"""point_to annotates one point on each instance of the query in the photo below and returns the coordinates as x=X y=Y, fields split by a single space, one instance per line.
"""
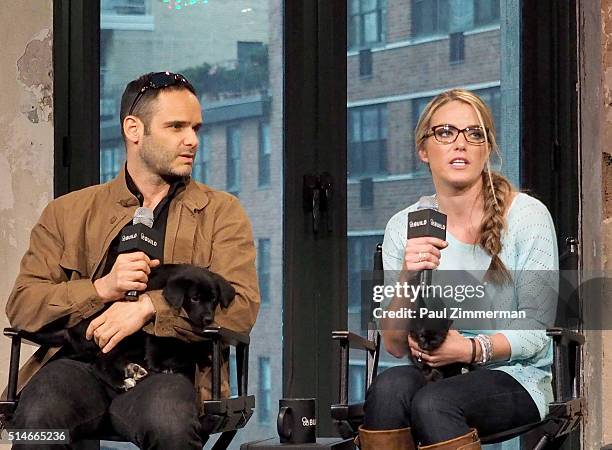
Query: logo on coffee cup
x=309 y=422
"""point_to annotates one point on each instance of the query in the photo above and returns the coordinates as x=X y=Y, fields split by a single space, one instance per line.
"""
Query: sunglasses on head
x=159 y=80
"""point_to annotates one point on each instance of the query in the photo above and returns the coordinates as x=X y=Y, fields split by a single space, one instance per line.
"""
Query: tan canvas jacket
x=205 y=227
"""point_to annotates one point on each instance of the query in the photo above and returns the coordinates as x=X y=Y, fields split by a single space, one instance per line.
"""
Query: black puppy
x=430 y=334
x=197 y=290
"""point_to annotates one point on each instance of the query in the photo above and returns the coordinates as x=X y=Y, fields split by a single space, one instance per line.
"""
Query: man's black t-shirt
x=160 y=216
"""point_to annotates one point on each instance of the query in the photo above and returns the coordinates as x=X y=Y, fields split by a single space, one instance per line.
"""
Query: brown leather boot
x=468 y=441
x=385 y=439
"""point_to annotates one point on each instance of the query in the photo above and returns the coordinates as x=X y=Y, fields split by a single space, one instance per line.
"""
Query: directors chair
x=220 y=415
x=565 y=412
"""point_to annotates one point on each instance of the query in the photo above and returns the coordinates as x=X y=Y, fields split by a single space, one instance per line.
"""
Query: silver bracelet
x=483 y=349
x=486 y=346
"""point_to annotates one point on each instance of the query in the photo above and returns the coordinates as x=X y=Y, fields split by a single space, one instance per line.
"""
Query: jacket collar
x=192 y=197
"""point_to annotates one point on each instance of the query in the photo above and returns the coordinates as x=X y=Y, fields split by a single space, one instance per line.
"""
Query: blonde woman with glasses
x=493 y=228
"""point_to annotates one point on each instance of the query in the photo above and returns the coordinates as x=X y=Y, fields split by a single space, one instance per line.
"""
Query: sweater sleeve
x=536 y=279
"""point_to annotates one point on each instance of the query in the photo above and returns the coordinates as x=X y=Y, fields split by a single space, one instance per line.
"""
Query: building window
x=486 y=12
x=233 y=370
x=124 y=7
x=492 y=97
x=233 y=159
x=457 y=48
x=430 y=17
x=366 y=23
x=201 y=165
x=360 y=259
x=367 y=141
x=263 y=269
x=356 y=382
x=263 y=178
x=264 y=399
x=435 y=17
x=112 y=159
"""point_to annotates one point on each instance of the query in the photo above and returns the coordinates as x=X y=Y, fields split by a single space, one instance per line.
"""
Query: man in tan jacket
x=72 y=271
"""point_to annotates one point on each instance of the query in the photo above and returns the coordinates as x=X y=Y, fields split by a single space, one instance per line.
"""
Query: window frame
x=359 y=149
x=233 y=157
x=264 y=410
x=315 y=120
x=379 y=11
x=264 y=155
x=202 y=161
x=481 y=22
x=263 y=269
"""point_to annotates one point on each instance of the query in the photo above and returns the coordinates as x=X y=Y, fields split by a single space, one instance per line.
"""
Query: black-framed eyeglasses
x=159 y=80
x=447 y=134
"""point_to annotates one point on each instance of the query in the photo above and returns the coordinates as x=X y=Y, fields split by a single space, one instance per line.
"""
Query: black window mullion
x=76 y=94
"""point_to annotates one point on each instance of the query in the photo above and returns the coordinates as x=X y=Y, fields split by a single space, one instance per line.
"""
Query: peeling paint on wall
x=26 y=134
x=7 y=200
x=34 y=70
x=606 y=10
x=607 y=177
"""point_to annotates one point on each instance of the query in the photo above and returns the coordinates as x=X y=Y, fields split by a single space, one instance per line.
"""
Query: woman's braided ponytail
x=497 y=192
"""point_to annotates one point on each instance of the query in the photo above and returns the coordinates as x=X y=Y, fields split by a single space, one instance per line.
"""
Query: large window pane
x=232 y=52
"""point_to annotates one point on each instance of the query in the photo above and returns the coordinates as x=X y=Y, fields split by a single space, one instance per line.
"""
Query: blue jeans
x=489 y=400
x=160 y=412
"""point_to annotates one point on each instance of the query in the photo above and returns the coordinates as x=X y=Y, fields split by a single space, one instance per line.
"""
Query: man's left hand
x=120 y=320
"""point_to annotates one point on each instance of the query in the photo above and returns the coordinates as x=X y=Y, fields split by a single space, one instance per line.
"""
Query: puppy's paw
x=128 y=384
x=135 y=371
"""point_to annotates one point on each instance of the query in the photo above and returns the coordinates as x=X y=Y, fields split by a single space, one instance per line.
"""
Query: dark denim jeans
x=160 y=412
x=489 y=400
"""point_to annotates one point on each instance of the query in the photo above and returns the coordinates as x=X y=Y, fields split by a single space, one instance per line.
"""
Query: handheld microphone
x=141 y=237
x=426 y=221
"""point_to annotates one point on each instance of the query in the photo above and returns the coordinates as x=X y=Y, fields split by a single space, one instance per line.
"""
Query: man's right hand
x=129 y=273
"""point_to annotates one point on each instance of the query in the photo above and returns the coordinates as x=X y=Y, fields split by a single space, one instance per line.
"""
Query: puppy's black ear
x=225 y=291
x=175 y=291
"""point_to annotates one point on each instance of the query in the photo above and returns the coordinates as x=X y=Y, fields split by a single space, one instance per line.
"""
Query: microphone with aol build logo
x=427 y=220
x=141 y=237
x=297 y=421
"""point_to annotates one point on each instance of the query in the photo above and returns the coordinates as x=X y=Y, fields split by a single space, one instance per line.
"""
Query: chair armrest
x=565 y=336
x=566 y=363
x=218 y=335
x=347 y=341
x=354 y=340
x=227 y=336
x=25 y=336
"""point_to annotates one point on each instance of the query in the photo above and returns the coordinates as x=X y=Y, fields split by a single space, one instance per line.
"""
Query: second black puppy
x=197 y=290
x=430 y=333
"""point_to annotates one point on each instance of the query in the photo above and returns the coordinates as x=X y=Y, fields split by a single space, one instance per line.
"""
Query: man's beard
x=159 y=161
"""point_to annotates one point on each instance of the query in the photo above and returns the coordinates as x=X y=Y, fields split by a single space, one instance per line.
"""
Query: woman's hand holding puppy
x=455 y=348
